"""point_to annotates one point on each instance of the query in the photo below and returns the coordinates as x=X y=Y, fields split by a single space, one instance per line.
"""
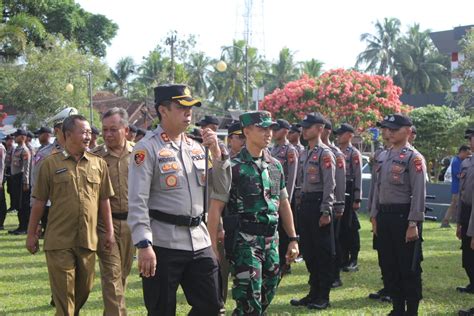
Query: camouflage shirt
x=258 y=185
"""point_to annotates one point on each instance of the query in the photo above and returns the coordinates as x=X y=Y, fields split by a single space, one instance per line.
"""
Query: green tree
x=37 y=88
x=420 y=67
x=198 y=71
x=379 y=56
x=464 y=75
x=282 y=71
x=436 y=143
x=120 y=76
x=312 y=68
x=92 y=32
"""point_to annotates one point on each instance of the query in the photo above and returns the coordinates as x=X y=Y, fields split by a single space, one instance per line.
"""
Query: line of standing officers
x=161 y=210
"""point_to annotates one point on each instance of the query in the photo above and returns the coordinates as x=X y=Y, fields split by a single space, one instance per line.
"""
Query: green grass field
x=24 y=286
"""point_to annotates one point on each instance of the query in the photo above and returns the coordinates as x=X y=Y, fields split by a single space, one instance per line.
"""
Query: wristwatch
x=412 y=224
x=143 y=244
x=325 y=213
x=296 y=238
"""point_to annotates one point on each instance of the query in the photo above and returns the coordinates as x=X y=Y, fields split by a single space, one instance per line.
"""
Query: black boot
x=412 y=307
x=398 y=307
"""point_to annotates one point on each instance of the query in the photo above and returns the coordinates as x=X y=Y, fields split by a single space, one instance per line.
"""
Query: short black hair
x=70 y=122
x=166 y=103
x=464 y=148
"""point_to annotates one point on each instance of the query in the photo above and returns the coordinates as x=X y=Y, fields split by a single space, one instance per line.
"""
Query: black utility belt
x=311 y=196
x=395 y=208
x=178 y=220
x=258 y=229
x=120 y=216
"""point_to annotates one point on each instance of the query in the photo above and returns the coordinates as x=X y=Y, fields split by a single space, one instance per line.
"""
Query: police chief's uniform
x=75 y=189
x=399 y=202
x=166 y=198
x=116 y=263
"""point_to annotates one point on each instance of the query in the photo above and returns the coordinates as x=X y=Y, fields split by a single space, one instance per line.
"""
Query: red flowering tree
x=344 y=96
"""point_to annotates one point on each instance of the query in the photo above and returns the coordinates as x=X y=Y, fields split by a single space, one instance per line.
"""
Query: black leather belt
x=395 y=208
x=258 y=229
x=178 y=220
x=120 y=216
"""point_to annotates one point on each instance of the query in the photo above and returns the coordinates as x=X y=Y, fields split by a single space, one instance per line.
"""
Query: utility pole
x=170 y=40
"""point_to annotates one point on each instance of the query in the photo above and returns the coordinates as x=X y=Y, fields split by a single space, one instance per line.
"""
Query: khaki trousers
x=115 y=265
x=71 y=276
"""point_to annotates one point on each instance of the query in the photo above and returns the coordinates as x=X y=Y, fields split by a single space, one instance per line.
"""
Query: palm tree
x=380 y=52
x=120 y=76
x=420 y=67
x=197 y=69
x=312 y=67
x=282 y=71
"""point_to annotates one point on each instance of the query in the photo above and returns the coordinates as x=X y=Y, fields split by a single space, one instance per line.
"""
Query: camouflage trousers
x=255 y=269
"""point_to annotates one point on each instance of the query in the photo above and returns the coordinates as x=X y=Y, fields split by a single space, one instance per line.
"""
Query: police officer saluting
x=257 y=199
x=398 y=208
x=317 y=169
x=166 y=199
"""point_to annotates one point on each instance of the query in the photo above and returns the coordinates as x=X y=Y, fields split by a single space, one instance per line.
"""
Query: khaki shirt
x=21 y=161
x=401 y=179
x=340 y=177
x=287 y=155
x=317 y=172
x=466 y=183
x=118 y=172
x=75 y=190
x=170 y=177
x=354 y=169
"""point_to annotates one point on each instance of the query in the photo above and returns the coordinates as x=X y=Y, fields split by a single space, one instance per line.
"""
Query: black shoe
x=386 y=299
x=2 y=228
x=319 y=304
x=302 y=302
x=13 y=231
x=394 y=313
x=336 y=283
x=466 y=312
x=377 y=295
x=20 y=232
x=465 y=289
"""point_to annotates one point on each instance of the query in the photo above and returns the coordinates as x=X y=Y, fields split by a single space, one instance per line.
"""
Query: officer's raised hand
x=209 y=139
x=324 y=220
x=146 y=262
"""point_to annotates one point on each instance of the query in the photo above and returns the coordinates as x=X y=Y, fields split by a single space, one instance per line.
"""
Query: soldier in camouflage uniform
x=257 y=199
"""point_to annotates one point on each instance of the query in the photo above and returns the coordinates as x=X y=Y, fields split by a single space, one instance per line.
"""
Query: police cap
x=312 y=119
x=296 y=128
x=344 y=128
x=20 y=132
x=208 y=119
x=234 y=129
x=179 y=93
x=43 y=129
x=282 y=124
x=396 y=121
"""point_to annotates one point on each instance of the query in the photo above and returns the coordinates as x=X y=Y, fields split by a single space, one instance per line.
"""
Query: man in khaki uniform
x=77 y=184
x=116 y=263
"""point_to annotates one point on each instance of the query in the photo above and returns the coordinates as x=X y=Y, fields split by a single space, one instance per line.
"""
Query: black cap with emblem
x=344 y=128
x=328 y=125
x=312 y=119
x=179 y=93
x=282 y=124
x=208 y=119
x=296 y=128
x=234 y=129
x=20 y=132
x=395 y=121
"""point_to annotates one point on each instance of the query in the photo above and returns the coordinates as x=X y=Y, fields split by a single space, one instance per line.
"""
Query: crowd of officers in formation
x=194 y=210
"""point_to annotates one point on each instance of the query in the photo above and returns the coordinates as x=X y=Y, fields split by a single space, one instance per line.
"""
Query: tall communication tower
x=250 y=23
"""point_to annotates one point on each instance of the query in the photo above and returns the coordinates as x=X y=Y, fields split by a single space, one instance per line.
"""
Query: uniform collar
x=65 y=155
x=128 y=149
x=245 y=155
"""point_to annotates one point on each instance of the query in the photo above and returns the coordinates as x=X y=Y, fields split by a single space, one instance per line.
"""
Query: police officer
x=257 y=199
x=349 y=234
x=132 y=133
x=209 y=121
x=166 y=199
x=398 y=208
x=141 y=132
x=412 y=135
x=317 y=169
x=20 y=180
x=294 y=136
x=77 y=184
x=381 y=294
x=287 y=155
x=94 y=136
x=10 y=147
x=466 y=185
x=116 y=263
x=44 y=136
x=3 y=203
x=339 y=195
x=235 y=138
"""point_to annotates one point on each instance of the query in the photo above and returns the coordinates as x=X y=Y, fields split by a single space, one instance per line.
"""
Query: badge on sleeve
x=327 y=161
x=340 y=162
x=356 y=160
x=139 y=157
x=291 y=157
x=418 y=161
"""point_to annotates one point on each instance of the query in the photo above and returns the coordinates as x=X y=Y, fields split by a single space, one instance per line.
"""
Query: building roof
x=447 y=42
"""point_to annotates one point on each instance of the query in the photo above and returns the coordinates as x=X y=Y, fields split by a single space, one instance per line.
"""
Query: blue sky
x=326 y=30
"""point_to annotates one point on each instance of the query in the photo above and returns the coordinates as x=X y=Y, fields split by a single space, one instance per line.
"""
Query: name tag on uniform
x=61 y=170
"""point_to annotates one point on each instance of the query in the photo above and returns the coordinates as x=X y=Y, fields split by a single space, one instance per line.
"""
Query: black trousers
x=467 y=252
x=3 y=205
x=316 y=249
x=15 y=188
x=198 y=274
x=375 y=246
x=397 y=256
x=339 y=253
x=349 y=232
